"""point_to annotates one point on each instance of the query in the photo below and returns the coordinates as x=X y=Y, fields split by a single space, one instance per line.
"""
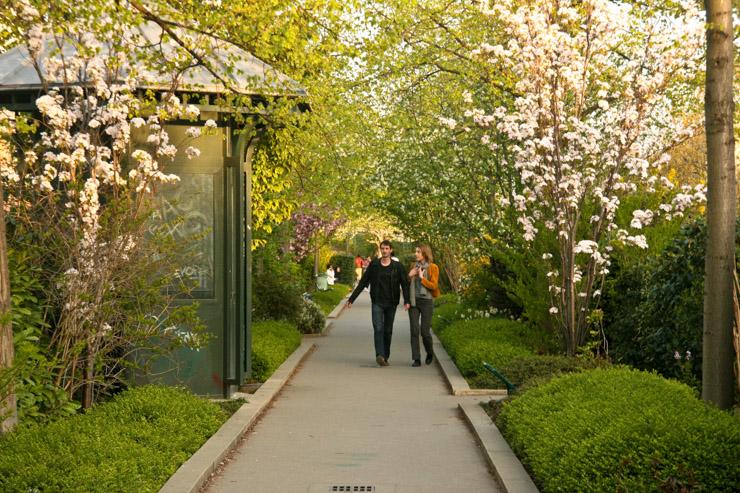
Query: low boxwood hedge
x=446 y=314
x=508 y=345
x=523 y=370
x=133 y=443
x=620 y=429
x=272 y=343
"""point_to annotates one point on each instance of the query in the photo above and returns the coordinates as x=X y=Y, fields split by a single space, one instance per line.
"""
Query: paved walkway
x=343 y=422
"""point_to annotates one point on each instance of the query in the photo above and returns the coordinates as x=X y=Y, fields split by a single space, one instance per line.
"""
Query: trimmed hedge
x=497 y=341
x=133 y=443
x=446 y=314
x=445 y=299
x=621 y=429
x=272 y=343
x=509 y=346
x=525 y=370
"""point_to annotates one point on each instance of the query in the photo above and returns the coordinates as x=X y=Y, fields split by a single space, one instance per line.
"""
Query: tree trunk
x=717 y=374
x=8 y=411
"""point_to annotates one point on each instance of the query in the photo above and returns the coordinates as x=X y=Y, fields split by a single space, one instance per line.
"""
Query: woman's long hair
x=426 y=252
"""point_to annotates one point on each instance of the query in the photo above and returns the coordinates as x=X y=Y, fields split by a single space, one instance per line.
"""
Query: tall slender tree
x=717 y=373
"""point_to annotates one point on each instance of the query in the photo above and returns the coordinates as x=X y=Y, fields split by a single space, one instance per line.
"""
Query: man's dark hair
x=386 y=242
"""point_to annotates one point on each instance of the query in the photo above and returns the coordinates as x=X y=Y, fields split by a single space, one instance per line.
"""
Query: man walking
x=387 y=279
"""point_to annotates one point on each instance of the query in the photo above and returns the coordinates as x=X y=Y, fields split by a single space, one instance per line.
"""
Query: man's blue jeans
x=383 y=328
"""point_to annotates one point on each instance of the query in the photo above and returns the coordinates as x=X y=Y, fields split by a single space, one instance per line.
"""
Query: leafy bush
x=38 y=399
x=329 y=299
x=347 y=265
x=133 y=443
x=654 y=308
x=275 y=298
x=487 y=288
x=272 y=343
x=278 y=282
x=621 y=429
x=311 y=319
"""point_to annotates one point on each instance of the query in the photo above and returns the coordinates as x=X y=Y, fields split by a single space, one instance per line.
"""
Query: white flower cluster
x=593 y=111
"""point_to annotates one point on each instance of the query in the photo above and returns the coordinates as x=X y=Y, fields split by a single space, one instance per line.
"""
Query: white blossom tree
x=600 y=91
x=81 y=187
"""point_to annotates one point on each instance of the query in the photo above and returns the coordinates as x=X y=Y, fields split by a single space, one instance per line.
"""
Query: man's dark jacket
x=399 y=281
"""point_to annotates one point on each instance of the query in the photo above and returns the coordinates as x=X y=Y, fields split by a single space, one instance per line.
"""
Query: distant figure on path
x=330 y=275
x=424 y=279
x=337 y=274
x=358 y=268
x=387 y=279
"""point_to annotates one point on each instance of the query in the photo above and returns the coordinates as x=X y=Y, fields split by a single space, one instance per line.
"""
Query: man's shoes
x=416 y=363
x=381 y=360
x=430 y=358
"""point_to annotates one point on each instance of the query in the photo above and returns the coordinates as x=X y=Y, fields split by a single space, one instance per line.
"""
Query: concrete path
x=345 y=424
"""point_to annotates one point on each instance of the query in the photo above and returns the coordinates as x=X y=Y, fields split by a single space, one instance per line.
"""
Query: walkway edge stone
x=504 y=463
x=194 y=472
x=457 y=383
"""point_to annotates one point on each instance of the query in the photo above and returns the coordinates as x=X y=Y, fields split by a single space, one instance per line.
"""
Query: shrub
x=275 y=298
x=445 y=299
x=487 y=288
x=496 y=341
x=133 y=443
x=523 y=370
x=445 y=314
x=621 y=429
x=278 y=282
x=654 y=309
x=272 y=343
x=311 y=319
x=509 y=346
x=39 y=400
x=347 y=265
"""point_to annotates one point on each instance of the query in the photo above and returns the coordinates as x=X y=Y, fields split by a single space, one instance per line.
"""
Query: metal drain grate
x=351 y=488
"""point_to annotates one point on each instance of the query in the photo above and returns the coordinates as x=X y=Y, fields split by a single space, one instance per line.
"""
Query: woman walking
x=424 y=278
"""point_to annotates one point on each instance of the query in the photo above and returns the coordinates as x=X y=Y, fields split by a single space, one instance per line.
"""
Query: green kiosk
x=212 y=202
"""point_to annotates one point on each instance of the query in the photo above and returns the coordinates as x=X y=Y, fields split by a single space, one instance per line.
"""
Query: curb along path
x=344 y=424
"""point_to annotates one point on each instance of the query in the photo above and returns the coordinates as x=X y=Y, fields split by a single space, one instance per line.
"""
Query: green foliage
x=487 y=288
x=510 y=346
x=38 y=399
x=445 y=314
x=133 y=443
x=272 y=343
x=311 y=319
x=446 y=299
x=620 y=429
x=496 y=341
x=278 y=282
x=231 y=406
x=329 y=299
x=653 y=308
x=525 y=370
x=347 y=265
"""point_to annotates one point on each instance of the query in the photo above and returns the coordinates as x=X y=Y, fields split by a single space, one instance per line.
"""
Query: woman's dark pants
x=421 y=321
